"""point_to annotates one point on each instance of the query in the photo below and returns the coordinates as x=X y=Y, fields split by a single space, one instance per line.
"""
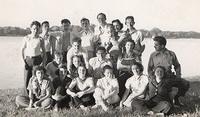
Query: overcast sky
x=174 y=15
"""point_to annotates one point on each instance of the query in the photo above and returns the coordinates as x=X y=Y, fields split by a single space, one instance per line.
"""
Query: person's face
x=62 y=72
x=76 y=46
x=45 y=27
x=117 y=26
x=158 y=46
x=85 y=24
x=58 y=59
x=76 y=61
x=101 y=54
x=109 y=31
x=65 y=26
x=108 y=73
x=101 y=19
x=159 y=73
x=81 y=72
x=35 y=29
x=39 y=75
x=129 y=23
x=129 y=46
x=136 y=70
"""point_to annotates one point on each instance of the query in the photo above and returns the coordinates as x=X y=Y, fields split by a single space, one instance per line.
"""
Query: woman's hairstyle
x=101 y=49
x=38 y=68
x=140 y=66
x=35 y=23
x=130 y=40
x=107 y=67
x=161 y=67
x=86 y=74
x=118 y=21
x=65 y=21
x=161 y=40
x=103 y=14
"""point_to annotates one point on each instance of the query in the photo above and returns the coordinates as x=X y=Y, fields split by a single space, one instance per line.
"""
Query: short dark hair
x=45 y=22
x=107 y=67
x=118 y=21
x=141 y=67
x=101 y=48
x=130 y=40
x=161 y=40
x=38 y=68
x=163 y=68
x=84 y=19
x=63 y=21
x=104 y=15
x=76 y=39
x=56 y=53
x=35 y=23
x=130 y=17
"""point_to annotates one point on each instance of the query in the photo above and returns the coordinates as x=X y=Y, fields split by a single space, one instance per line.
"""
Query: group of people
x=98 y=67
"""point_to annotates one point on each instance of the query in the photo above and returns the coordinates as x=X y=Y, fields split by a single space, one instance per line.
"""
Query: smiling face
x=85 y=24
x=129 y=23
x=76 y=61
x=58 y=59
x=35 y=29
x=129 y=46
x=159 y=73
x=108 y=73
x=81 y=72
x=101 y=19
x=136 y=70
x=116 y=26
x=101 y=54
x=62 y=72
x=39 y=75
x=76 y=46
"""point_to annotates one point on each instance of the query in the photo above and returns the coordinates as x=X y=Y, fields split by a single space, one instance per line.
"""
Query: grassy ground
x=8 y=107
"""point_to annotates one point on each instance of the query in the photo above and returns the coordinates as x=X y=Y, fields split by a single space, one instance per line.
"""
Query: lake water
x=11 y=70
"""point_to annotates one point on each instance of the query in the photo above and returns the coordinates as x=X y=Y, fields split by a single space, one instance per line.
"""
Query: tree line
x=17 y=31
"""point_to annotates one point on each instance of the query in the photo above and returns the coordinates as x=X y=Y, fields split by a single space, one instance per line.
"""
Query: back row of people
x=116 y=51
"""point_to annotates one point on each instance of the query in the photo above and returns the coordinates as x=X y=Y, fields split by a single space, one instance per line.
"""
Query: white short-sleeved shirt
x=83 y=85
x=108 y=85
x=136 y=84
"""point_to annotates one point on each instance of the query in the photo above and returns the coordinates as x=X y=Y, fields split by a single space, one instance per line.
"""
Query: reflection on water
x=11 y=72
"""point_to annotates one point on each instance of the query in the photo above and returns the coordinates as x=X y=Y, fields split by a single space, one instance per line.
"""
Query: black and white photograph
x=100 y=58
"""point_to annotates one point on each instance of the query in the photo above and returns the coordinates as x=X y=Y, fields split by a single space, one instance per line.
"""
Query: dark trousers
x=30 y=62
x=64 y=56
x=123 y=76
x=49 y=57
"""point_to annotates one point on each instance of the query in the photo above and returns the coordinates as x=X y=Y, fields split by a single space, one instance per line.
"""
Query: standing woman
x=33 y=52
x=49 y=41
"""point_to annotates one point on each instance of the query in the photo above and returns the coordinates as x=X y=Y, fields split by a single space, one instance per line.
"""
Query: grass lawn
x=9 y=109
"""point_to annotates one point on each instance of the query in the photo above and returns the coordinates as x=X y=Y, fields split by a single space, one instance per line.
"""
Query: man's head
x=129 y=21
x=101 y=17
x=85 y=23
x=65 y=24
x=76 y=43
x=58 y=57
x=35 y=27
x=109 y=30
x=101 y=53
x=159 y=43
x=45 y=26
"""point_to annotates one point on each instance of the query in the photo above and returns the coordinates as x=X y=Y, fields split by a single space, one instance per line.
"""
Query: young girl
x=107 y=89
x=81 y=90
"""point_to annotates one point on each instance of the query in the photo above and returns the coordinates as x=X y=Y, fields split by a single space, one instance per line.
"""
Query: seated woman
x=124 y=63
x=81 y=90
x=135 y=85
x=73 y=70
x=60 y=84
x=158 y=94
x=40 y=91
x=107 y=89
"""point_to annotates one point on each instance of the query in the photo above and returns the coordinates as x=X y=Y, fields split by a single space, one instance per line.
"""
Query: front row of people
x=142 y=94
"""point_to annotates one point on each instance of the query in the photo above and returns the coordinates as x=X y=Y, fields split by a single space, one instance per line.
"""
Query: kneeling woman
x=107 y=89
x=158 y=98
x=81 y=89
x=40 y=91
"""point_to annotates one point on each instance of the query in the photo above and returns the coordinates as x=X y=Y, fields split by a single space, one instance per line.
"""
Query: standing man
x=135 y=35
x=167 y=59
x=66 y=38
